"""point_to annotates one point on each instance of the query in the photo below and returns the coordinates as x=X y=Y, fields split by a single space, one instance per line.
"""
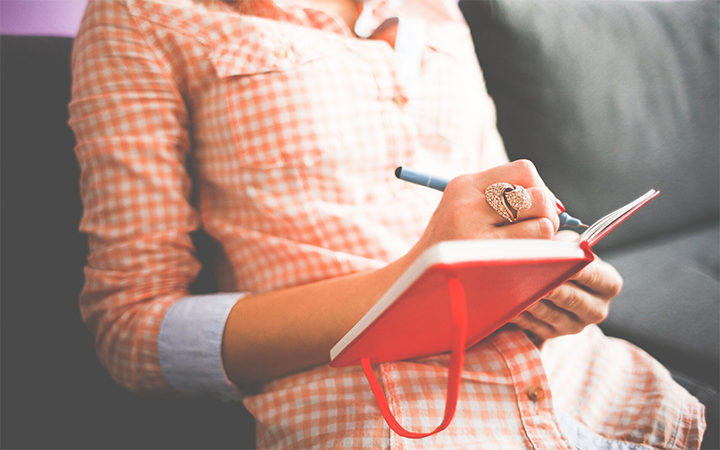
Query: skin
x=582 y=301
x=272 y=334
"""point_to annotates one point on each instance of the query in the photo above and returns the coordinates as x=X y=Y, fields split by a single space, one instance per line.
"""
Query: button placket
x=535 y=393
x=534 y=398
x=400 y=99
x=281 y=53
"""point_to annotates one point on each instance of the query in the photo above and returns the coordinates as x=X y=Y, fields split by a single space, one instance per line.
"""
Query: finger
x=526 y=229
x=526 y=321
x=561 y=323
x=599 y=278
x=542 y=206
x=588 y=308
x=521 y=172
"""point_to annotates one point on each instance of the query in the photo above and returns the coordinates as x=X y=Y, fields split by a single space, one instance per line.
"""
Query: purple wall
x=41 y=17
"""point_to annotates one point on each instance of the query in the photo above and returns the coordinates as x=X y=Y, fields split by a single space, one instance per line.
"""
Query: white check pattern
x=279 y=132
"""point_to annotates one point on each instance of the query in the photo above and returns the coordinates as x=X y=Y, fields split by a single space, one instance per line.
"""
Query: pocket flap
x=260 y=53
x=449 y=39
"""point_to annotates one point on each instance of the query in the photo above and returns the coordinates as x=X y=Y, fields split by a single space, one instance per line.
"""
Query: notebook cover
x=419 y=323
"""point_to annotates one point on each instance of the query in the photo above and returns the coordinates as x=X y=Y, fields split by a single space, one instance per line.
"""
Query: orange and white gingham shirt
x=278 y=133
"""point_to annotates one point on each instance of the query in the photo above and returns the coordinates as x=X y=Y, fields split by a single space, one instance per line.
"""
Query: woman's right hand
x=271 y=334
x=463 y=212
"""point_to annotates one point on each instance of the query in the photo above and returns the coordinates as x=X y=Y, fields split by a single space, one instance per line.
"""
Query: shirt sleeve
x=190 y=346
x=131 y=125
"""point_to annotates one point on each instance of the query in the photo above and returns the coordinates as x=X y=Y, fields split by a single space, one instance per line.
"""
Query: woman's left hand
x=581 y=301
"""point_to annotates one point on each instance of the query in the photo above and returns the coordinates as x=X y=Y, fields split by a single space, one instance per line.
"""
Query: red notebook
x=457 y=293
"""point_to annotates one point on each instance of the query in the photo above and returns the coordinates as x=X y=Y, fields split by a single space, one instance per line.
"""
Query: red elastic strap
x=457 y=356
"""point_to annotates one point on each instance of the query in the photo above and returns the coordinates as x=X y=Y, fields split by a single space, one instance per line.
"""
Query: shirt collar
x=284 y=10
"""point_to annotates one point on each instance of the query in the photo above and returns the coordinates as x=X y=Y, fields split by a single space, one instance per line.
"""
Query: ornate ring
x=508 y=200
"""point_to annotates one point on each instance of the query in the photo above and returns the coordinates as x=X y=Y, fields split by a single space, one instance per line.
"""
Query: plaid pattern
x=613 y=388
x=278 y=133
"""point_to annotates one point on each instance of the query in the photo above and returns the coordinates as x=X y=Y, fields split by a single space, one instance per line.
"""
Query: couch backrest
x=55 y=393
x=40 y=197
x=609 y=99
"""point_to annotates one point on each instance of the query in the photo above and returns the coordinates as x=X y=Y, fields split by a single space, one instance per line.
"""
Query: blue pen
x=439 y=183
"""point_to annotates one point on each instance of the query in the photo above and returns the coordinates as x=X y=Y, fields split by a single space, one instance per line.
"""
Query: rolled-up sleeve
x=190 y=346
x=131 y=124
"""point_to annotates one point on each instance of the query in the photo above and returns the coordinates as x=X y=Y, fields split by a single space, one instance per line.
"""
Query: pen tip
x=398 y=171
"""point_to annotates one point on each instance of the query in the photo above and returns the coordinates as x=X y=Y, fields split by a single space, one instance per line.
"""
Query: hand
x=581 y=301
x=463 y=212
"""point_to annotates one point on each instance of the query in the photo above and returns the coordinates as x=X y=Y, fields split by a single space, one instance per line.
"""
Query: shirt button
x=400 y=100
x=280 y=53
x=535 y=393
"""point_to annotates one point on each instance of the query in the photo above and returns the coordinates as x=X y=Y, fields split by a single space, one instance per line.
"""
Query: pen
x=439 y=183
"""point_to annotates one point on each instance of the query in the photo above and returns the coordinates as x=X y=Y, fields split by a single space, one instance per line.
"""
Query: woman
x=276 y=126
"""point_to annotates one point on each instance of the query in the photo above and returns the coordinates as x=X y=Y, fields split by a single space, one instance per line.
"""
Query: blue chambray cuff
x=189 y=346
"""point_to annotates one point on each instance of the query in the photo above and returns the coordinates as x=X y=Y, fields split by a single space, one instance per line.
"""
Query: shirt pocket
x=455 y=79
x=270 y=85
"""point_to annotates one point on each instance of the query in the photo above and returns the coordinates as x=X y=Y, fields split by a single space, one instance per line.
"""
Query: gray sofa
x=55 y=394
x=608 y=98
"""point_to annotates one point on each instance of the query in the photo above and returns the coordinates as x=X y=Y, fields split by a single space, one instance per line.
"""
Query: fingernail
x=559 y=205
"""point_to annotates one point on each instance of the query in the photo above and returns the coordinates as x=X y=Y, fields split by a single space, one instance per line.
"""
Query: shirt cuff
x=190 y=343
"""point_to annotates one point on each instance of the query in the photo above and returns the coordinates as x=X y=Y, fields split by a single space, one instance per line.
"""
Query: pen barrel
x=439 y=183
x=423 y=179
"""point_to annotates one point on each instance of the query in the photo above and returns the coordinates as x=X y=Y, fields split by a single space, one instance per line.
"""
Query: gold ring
x=508 y=200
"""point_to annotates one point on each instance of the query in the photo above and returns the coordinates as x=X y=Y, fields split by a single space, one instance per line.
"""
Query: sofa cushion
x=669 y=306
x=54 y=380
x=654 y=309
x=609 y=99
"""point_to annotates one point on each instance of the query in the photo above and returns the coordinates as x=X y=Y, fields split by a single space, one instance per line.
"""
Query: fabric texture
x=665 y=270
x=273 y=183
x=609 y=99
x=190 y=344
x=279 y=133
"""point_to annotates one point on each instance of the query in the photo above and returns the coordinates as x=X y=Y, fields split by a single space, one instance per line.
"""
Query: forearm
x=275 y=333
x=272 y=334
